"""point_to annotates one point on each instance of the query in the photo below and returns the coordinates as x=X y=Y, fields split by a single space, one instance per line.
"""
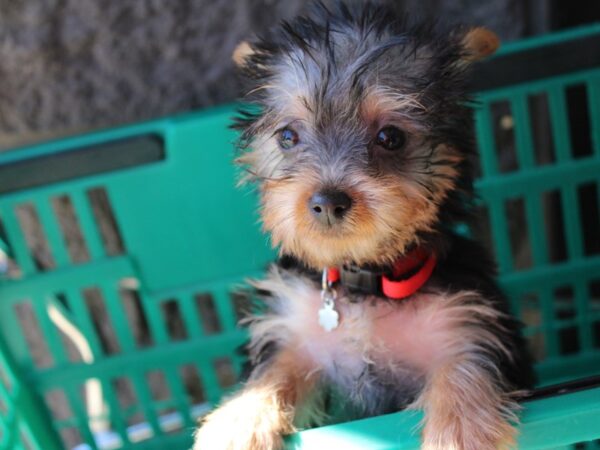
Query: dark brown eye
x=287 y=138
x=391 y=138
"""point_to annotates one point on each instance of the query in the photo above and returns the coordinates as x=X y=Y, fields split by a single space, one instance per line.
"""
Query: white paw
x=216 y=435
x=241 y=424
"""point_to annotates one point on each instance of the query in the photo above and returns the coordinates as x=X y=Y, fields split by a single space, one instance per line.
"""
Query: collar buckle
x=361 y=280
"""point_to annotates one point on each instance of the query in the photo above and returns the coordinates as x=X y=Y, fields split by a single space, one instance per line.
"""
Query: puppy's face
x=362 y=141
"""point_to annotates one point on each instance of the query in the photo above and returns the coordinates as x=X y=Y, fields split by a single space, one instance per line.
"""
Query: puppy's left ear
x=479 y=43
x=241 y=54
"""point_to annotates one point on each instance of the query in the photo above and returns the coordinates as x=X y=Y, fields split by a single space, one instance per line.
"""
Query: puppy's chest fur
x=380 y=353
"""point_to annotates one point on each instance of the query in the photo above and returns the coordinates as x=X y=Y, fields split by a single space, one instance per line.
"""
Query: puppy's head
x=362 y=138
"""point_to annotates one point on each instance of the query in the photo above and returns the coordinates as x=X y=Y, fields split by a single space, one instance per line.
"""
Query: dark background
x=68 y=66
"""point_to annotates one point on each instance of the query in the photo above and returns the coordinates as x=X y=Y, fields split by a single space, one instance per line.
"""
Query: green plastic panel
x=554 y=298
x=187 y=234
x=187 y=239
x=548 y=423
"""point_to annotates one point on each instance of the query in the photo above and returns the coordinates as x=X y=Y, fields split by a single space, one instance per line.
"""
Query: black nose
x=330 y=207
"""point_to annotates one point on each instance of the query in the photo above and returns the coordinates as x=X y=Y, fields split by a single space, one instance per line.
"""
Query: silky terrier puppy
x=360 y=142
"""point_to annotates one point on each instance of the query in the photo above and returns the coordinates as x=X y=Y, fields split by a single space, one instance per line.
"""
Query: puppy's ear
x=241 y=54
x=479 y=43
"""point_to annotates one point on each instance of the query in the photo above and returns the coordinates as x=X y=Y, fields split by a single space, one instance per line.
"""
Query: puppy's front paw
x=460 y=433
x=221 y=434
x=247 y=422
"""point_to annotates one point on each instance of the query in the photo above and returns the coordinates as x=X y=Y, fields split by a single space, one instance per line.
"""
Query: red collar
x=397 y=285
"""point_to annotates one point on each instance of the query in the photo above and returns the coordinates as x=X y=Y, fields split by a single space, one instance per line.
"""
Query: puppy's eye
x=391 y=138
x=287 y=138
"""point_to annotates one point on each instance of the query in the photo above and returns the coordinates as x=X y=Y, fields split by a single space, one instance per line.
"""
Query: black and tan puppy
x=362 y=149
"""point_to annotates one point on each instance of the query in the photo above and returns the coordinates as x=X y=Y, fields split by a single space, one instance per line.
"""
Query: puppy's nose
x=329 y=207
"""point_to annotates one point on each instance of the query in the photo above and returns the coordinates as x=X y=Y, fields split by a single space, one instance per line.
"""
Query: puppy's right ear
x=241 y=54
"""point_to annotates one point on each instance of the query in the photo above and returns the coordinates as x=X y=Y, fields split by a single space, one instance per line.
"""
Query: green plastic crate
x=190 y=238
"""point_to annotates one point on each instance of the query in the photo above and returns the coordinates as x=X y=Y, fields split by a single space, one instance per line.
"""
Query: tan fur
x=480 y=43
x=241 y=52
x=465 y=410
x=263 y=412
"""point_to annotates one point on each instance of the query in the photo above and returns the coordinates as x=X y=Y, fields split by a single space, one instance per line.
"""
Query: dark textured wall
x=72 y=65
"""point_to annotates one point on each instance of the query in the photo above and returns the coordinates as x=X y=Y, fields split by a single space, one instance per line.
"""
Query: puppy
x=362 y=150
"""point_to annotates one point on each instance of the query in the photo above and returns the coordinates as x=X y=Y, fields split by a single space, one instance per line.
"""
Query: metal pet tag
x=329 y=318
